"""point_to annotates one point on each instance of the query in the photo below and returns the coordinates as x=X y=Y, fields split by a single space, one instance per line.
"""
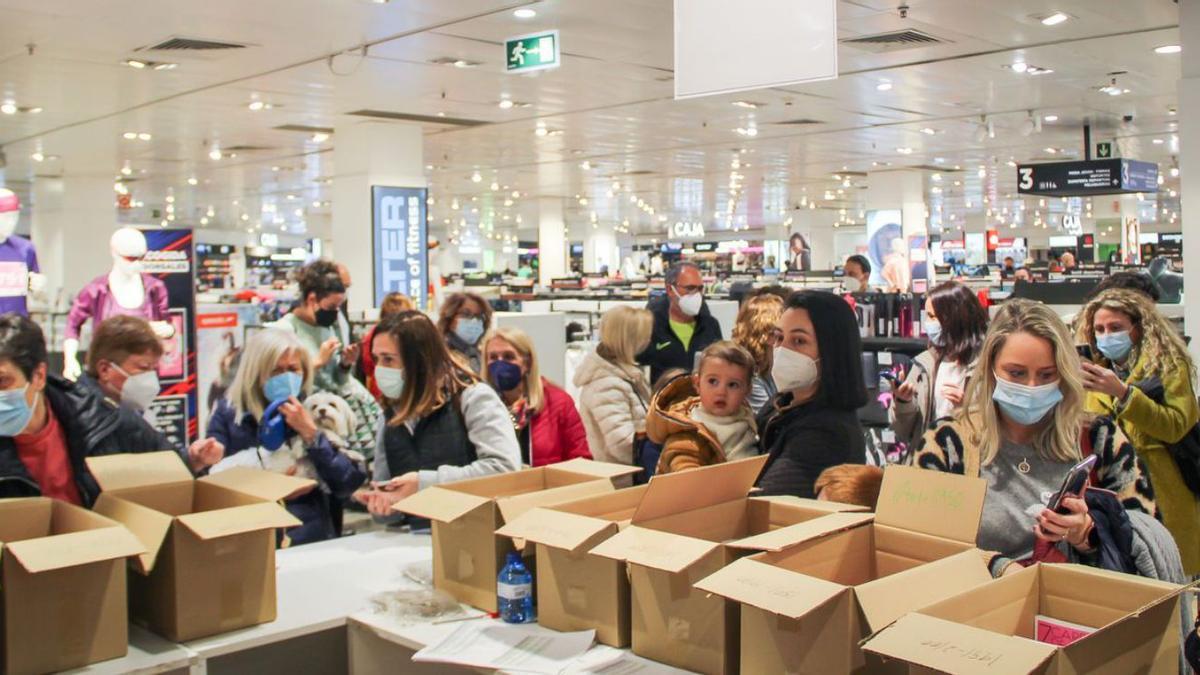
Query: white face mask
x=793 y=370
x=851 y=284
x=690 y=304
x=139 y=390
x=126 y=267
x=390 y=381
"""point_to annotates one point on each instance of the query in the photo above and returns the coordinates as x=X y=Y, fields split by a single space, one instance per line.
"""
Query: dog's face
x=331 y=413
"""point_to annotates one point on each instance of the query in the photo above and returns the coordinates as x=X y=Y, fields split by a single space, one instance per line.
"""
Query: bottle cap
x=513 y=557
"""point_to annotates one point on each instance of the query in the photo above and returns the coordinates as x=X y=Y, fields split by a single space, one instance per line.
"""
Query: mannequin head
x=10 y=212
x=128 y=247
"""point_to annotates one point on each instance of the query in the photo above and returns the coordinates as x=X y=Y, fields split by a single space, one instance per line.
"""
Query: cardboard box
x=991 y=628
x=62 y=586
x=575 y=589
x=467 y=553
x=210 y=561
x=689 y=525
x=805 y=609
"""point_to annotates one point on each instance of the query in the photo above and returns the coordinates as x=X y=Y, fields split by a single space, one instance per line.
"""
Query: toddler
x=703 y=418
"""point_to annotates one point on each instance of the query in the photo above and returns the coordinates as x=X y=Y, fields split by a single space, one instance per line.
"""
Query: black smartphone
x=1085 y=352
x=890 y=377
x=1072 y=485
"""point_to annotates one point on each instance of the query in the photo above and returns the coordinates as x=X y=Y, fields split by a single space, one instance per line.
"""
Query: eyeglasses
x=688 y=290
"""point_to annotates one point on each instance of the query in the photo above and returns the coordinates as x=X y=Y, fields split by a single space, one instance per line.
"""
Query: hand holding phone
x=1085 y=352
x=1072 y=485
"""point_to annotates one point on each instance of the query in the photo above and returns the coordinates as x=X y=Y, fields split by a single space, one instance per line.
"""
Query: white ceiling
x=611 y=100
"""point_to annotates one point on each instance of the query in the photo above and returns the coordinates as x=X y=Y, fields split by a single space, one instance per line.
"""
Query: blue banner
x=401 y=235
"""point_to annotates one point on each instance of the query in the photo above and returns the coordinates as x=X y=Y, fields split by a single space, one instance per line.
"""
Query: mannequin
x=124 y=290
x=19 y=272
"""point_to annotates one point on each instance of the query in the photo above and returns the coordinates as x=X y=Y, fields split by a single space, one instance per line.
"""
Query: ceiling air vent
x=894 y=41
x=407 y=117
x=799 y=122
x=935 y=168
x=175 y=44
x=638 y=172
x=247 y=148
x=305 y=128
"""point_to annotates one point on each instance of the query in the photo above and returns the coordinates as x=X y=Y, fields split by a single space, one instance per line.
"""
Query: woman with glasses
x=464 y=320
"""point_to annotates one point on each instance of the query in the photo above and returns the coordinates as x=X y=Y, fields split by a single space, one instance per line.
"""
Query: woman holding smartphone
x=1142 y=378
x=1023 y=427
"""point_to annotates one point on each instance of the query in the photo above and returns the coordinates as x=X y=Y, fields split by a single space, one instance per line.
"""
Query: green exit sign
x=1104 y=150
x=537 y=51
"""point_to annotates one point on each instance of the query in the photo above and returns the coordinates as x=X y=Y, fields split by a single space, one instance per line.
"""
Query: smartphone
x=1085 y=352
x=1072 y=485
x=890 y=377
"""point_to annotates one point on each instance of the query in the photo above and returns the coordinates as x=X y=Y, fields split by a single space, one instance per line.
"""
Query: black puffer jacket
x=802 y=441
x=92 y=426
x=666 y=350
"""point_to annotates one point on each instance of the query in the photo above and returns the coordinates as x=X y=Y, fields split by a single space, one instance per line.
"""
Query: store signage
x=169 y=257
x=269 y=239
x=723 y=47
x=684 y=230
x=705 y=247
x=401 y=230
x=537 y=51
x=1071 y=224
x=1087 y=178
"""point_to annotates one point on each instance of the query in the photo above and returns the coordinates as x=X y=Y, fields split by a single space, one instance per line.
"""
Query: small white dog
x=334 y=417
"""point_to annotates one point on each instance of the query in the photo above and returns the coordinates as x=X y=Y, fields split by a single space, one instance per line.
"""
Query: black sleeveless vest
x=438 y=439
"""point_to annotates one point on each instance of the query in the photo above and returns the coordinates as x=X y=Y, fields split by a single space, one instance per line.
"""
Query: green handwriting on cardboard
x=917 y=493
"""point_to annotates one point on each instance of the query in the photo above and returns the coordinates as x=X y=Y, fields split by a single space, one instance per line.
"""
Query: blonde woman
x=757 y=329
x=1142 y=378
x=1022 y=427
x=614 y=395
x=276 y=366
x=547 y=424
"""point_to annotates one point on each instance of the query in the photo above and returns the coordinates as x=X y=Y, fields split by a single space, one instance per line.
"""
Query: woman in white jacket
x=614 y=395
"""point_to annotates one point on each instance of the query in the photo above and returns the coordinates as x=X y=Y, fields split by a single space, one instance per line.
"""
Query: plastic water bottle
x=514 y=589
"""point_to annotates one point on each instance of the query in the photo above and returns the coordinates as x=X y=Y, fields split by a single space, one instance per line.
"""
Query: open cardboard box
x=209 y=565
x=689 y=525
x=467 y=553
x=62 y=586
x=805 y=609
x=990 y=629
x=577 y=590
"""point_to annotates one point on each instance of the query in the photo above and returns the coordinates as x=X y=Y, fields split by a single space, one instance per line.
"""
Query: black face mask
x=325 y=317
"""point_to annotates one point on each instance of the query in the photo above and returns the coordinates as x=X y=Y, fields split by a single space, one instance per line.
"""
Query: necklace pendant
x=1023 y=467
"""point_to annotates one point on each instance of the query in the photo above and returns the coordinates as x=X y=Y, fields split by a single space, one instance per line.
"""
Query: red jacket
x=556 y=432
x=366 y=364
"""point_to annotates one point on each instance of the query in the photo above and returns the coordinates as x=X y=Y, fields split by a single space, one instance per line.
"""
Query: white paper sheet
x=603 y=660
x=512 y=648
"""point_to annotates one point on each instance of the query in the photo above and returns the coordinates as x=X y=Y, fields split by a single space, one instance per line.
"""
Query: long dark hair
x=432 y=377
x=840 y=346
x=964 y=322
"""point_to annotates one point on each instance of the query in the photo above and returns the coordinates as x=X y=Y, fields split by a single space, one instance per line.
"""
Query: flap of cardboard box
x=949 y=647
x=885 y=600
x=440 y=504
x=774 y=589
x=149 y=526
x=931 y=502
x=512 y=507
x=777 y=540
x=118 y=472
x=238 y=520
x=591 y=467
x=75 y=548
x=673 y=493
x=651 y=548
x=814 y=504
x=268 y=485
x=567 y=531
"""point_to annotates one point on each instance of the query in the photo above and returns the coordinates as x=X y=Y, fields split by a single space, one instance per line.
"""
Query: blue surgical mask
x=15 y=411
x=390 y=381
x=505 y=376
x=1024 y=404
x=933 y=329
x=469 y=330
x=1115 y=346
x=283 y=385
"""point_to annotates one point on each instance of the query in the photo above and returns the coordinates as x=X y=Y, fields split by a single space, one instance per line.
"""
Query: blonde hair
x=624 y=333
x=1058 y=440
x=730 y=352
x=1160 y=342
x=535 y=395
x=756 y=321
x=260 y=356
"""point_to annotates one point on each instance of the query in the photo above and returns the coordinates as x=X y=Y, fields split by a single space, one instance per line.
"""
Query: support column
x=552 y=240
x=897 y=190
x=367 y=154
x=1189 y=164
x=600 y=248
x=74 y=215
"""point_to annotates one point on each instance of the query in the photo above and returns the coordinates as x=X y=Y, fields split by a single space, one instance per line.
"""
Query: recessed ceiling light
x=1055 y=18
x=143 y=136
x=1168 y=49
x=32 y=111
x=748 y=104
x=8 y=108
x=1052 y=151
x=1019 y=67
x=38 y=157
x=929 y=131
x=256 y=105
x=884 y=86
x=192 y=181
x=134 y=63
x=1050 y=118
x=1157 y=141
x=506 y=103
x=475 y=177
x=320 y=137
x=464 y=63
x=904 y=151
x=129 y=135
x=166 y=66
x=525 y=13
x=214 y=154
